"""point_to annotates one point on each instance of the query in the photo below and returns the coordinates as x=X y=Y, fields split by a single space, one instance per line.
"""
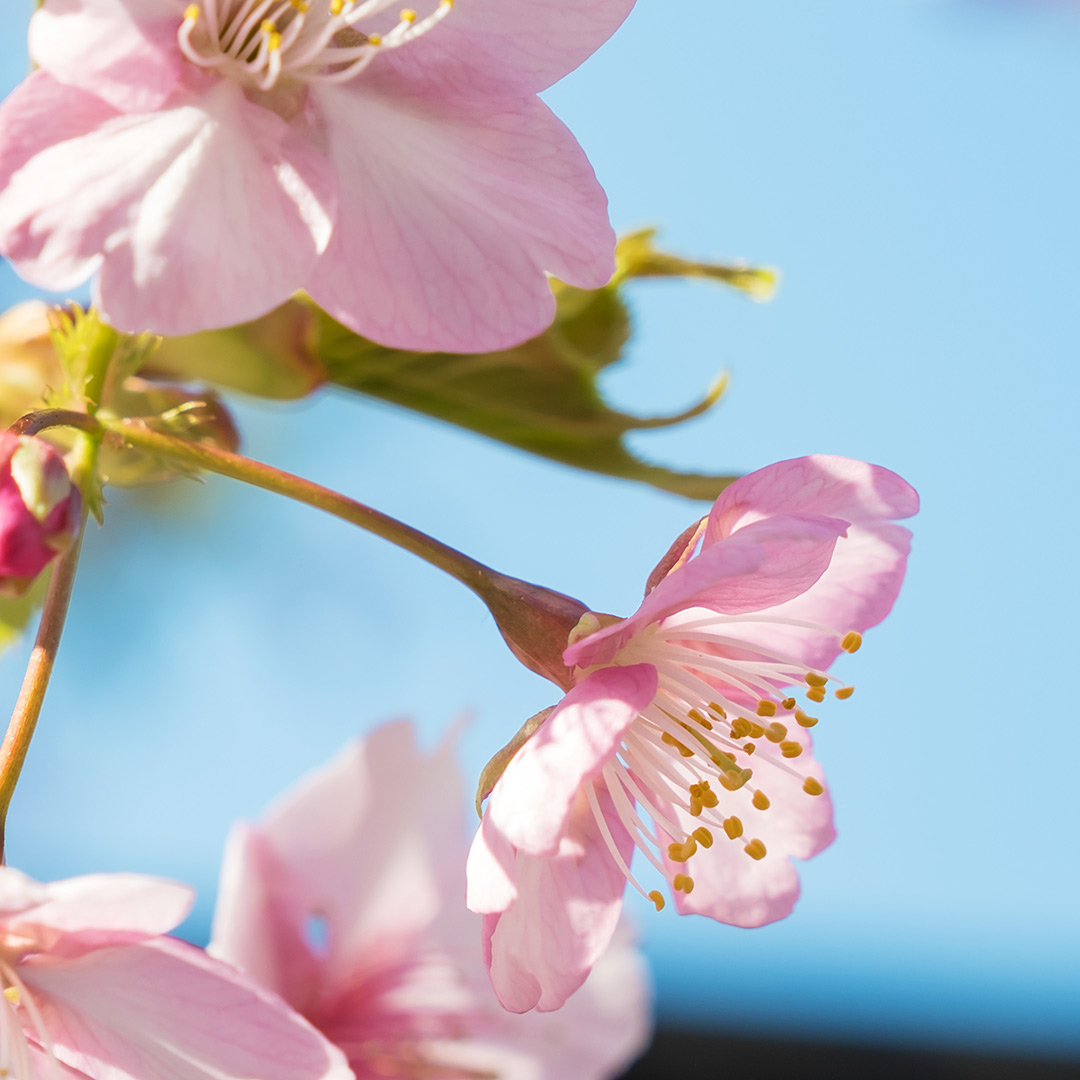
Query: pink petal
x=450 y=214
x=491 y=47
x=763 y=564
x=532 y=800
x=123 y=51
x=19 y=892
x=125 y=902
x=541 y=950
x=47 y=1068
x=209 y=212
x=381 y=799
x=820 y=484
x=490 y=871
x=163 y=1010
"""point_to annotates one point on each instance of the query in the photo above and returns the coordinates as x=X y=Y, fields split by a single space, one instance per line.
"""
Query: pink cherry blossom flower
x=39 y=509
x=92 y=988
x=208 y=159
x=680 y=737
x=347 y=903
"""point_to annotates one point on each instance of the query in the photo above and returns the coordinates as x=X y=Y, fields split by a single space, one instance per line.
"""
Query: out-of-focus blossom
x=680 y=736
x=208 y=159
x=91 y=987
x=346 y=901
x=40 y=509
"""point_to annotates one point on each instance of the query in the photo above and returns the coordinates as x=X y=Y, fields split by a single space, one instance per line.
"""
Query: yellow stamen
x=756 y=731
x=682 y=852
x=732 y=781
x=788 y=703
x=12 y=994
x=790 y=749
x=374 y=39
x=812 y=786
x=776 y=732
x=740 y=728
x=337 y=7
x=681 y=883
x=703 y=837
x=816 y=693
x=301 y=5
x=813 y=679
x=766 y=708
x=657 y=899
x=845 y=692
x=718 y=710
x=852 y=641
x=803 y=720
x=761 y=801
x=409 y=16
x=191 y=13
x=704 y=721
x=755 y=849
x=685 y=751
x=733 y=827
x=749 y=748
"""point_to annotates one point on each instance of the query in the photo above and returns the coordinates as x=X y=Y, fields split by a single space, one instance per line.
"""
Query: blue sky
x=910 y=165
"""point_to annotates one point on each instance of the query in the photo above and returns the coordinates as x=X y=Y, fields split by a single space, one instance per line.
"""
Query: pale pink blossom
x=93 y=988
x=208 y=159
x=680 y=736
x=348 y=902
x=40 y=509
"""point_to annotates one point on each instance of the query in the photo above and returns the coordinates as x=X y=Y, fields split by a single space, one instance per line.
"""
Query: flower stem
x=534 y=621
x=36 y=681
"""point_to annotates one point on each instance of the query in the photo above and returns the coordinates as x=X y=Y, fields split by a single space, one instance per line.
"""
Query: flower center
x=719 y=705
x=259 y=42
x=18 y=1011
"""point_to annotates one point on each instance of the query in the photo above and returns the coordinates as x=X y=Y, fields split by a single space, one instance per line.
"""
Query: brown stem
x=36 y=681
x=36 y=422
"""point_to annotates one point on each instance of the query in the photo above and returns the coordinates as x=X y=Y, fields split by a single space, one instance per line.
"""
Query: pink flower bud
x=40 y=509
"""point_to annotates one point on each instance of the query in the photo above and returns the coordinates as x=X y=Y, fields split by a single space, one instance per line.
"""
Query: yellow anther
x=755 y=849
x=852 y=641
x=708 y=796
x=273 y=42
x=718 y=709
x=682 y=852
x=733 y=827
x=696 y=806
x=685 y=751
x=761 y=801
x=788 y=703
x=681 y=882
x=703 y=837
x=816 y=693
x=704 y=721
x=740 y=728
x=409 y=16
x=812 y=786
x=337 y=7
x=191 y=13
x=756 y=731
x=749 y=748
x=803 y=720
x=374 y=39
x=12 y=994
x=732 y=781
x=657 y=899
x=814 y=679
x=766 y=708
x=790 y=749
x=301 y=5
x=845 y=692
x=447 y=3
x=776 y=732
x=267 y=26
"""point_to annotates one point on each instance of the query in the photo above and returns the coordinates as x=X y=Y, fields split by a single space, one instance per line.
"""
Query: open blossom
x=92 y=988
x=346 y=901
x=39 y=509
x=207 y=159
x=683 y=736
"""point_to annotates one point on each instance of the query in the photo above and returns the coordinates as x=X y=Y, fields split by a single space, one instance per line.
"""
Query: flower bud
x=40 y=510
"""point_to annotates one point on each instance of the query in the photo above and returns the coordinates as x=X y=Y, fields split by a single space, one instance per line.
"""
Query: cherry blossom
x=93 y=988
x=686 y=733
x=39 y=509
x=346 y=901
x=206 y=160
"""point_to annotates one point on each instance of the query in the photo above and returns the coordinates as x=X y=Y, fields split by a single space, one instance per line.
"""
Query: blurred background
x=911 y=167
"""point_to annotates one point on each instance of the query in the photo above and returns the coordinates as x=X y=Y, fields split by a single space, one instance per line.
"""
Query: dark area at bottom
x=693 y=1055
